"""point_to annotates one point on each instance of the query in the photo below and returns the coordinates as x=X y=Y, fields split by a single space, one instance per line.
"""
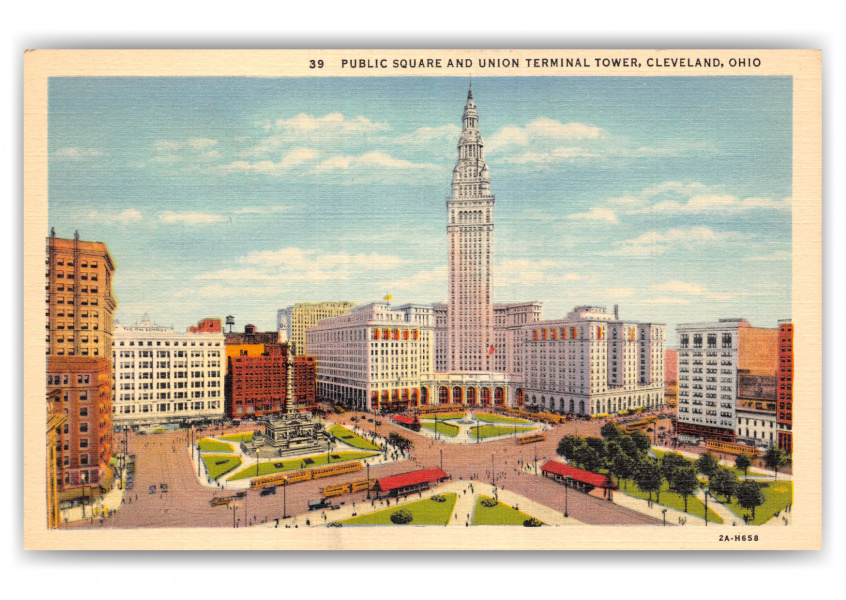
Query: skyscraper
x=470 y=238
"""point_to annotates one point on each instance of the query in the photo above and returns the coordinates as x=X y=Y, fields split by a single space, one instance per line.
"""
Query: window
x=684 y=340
x=83 y=428
x=726 y=340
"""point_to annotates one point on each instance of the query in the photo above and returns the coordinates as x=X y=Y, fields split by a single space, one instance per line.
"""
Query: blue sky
x=668 y=196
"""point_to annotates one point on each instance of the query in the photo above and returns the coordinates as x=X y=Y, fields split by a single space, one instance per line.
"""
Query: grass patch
x=237 y=437
x=270 y=466
x=444 y=428
x=445 y=416
x=209 y=445
x=220 y=464
x=501 y=514
x=352 y=439
x=777 y=495
x=423 y=512
x=486 y=431
x=671 y=499
x=488 y=418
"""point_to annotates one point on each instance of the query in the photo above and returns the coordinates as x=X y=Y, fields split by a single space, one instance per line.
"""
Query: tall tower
x=470 y=233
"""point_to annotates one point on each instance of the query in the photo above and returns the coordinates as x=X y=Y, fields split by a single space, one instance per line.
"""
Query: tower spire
x=470 y=89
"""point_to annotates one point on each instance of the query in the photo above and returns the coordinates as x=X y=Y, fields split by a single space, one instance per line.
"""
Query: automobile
x=130 y=485
x=319 y=504
x=241 y=495
x=220 y=501
x=378 y=422
x=268 y=491
x=369 y=420
x=163 y=487
x=152 y=489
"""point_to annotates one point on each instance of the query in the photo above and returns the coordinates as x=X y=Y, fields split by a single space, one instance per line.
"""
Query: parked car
x=163 y=487
x=152 y=489
x=268 y=491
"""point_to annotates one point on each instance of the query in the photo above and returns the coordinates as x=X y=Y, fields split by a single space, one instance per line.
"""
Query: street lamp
x=566 y=499
x=442 y=459
x=664 y=512
x=284 y=499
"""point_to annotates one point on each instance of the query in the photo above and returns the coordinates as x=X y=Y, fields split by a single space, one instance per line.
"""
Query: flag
x=491 y=350
x=388 y=297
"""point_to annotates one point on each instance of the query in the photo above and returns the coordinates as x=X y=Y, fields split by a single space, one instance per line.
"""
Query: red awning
x=403 y=420
x=594 y=479
x=386 y=484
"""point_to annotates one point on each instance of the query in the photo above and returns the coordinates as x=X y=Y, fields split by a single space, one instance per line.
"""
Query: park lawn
x=270 y=466
x=210 y=445
x=444 y=416
x=352 y=439
x=777 y=495
x=227 y=463
x=444 y=428
x=501 y=514
x=671 y=499
x=488 y=418
x=486 y=431
x=424 y=512
x=237 y=437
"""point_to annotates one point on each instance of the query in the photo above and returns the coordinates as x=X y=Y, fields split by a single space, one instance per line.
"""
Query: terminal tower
x=470 y=236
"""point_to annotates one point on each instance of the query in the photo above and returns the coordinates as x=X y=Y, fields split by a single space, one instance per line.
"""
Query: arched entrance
x=385 y=400
x=581 y=407
x=472 y=396
x=443 y=395
x=521 y=398
x=499 y=396
x=572 y=406
x=422 y=396
x=457 y=395
x=406 y=398
x=486 y=396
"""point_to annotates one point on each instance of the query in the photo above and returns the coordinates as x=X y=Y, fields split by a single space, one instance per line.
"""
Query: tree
x=648 y=478
x=671 y=463
x=775 y=459
x=622 y=467
x=597 y=445
x=612 y=450
x=724 y=483
x=707 y=464
x=587 y=458
x=610 y=431
x=641 y=440
x=749 y=495
x=568 y=444
x=401 y=517
x=684 y=483
x=743 y=462
x=628 y=446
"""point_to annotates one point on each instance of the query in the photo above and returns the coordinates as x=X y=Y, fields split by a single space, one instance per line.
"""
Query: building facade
x=164 y=376
x=591 y=363
x=785 y=386
x=80 y=309
x=470 y=317
x=725 y=367
x=293 y=321
x=257 y=385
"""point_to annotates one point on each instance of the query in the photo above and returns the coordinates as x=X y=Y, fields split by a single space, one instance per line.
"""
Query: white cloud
x=298 y=258
x=521 y=271
x=596 y=214
x=326 y=130
x=542 y=128
x=422 y=283
x=190 y=218
x=369 y=160
x=688 y=289
x=130 y=215
x=75 y=153
x=556 y=155
x=656 y=242
x=694 y=198
x=423 y=135
x=619 y=292
x=201 y=143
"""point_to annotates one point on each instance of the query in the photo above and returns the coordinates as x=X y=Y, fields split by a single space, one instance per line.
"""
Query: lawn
x=238 y=437
x=488 y=418
x=424 y=512
x=220 y=464
x=444 y=416
x=777 y=495
x=209 y=445
x=486 y=431
x=671 y=499
x=352 y=439
x=269 y=466
x=444 y=428
x=501 y=514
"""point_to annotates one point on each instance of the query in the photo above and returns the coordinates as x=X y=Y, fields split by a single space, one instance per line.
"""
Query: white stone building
x=164 y=376
x=591 y=363
x=374 y=356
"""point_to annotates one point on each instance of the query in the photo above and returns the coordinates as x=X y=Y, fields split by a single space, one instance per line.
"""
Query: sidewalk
x=111 y=500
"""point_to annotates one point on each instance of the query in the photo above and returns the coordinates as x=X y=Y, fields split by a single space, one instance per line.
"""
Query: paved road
x=164 y=458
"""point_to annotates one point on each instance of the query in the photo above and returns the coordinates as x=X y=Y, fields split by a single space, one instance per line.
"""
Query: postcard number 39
x=315 y=64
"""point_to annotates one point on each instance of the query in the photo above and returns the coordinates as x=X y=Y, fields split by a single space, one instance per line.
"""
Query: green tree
x=671 y=463
x=775 y=459
x=587 y=458
x=612 y=450
x=648 y=478
x=641 y=440
x=597 y=445
x=568 y=444
x=707 y=464
x=684 y=483
x=610 y=431
x=401 y=517
x=749 y=495
x=628 y=446
x=622 y=467
x=743 y=462
x=723 y=482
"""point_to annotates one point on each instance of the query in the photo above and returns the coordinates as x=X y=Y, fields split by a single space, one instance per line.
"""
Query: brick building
x=257 y=386
x=785 y=386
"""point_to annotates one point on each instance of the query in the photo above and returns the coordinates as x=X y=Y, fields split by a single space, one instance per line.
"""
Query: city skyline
x=670 y=196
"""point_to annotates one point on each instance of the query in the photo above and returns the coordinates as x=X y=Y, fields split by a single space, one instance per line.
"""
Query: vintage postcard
x=434 y=299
